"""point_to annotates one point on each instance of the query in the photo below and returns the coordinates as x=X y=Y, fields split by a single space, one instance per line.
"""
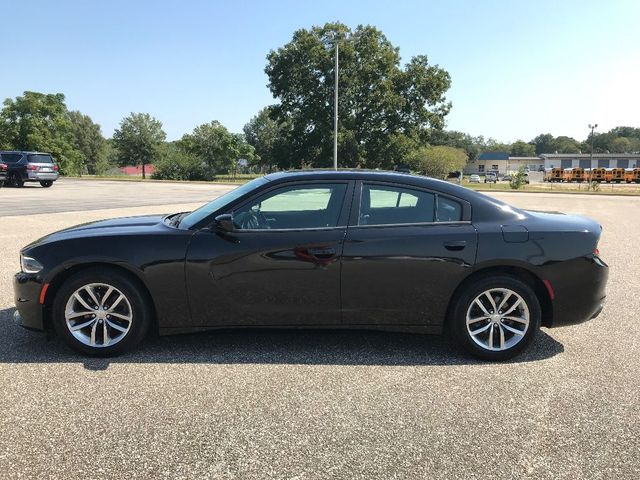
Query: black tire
x=133 y=293
x=46 y=183
x=1 y=183
x=17 y=181
x=463 y=302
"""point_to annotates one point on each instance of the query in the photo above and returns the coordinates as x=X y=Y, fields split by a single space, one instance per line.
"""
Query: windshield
x=40 y=159
x=215 y=205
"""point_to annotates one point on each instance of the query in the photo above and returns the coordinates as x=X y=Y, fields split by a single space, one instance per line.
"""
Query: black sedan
x=322 y=249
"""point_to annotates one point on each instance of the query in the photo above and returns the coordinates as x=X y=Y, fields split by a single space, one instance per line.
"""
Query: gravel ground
x=287 y=404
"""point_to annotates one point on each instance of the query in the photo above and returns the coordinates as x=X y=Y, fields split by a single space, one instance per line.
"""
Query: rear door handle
x=322 y=252
x=455 y=245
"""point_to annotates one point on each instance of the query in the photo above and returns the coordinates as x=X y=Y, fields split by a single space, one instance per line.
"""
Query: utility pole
x=592 y=127
x=335 y=113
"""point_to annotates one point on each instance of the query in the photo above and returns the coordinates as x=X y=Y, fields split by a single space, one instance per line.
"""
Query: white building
x=600 y=160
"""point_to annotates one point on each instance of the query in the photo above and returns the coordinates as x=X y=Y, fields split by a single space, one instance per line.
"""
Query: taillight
x=55 y=167
x=31 y=167
x=3 y=166
x=596 y=251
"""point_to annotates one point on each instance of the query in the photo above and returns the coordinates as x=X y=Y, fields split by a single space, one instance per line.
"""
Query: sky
x=518 y=68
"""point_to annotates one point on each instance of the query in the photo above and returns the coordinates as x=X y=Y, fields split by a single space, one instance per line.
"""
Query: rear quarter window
x=449 y=210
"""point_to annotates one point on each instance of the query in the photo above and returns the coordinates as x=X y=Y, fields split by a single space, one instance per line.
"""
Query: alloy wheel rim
x=98 y=315
x=498 y=319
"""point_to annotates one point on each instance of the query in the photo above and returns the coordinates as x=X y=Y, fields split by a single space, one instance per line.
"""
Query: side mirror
x=224 y=222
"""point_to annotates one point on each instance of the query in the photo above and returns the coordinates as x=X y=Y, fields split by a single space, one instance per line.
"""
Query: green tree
x=452 y=138
x=544 y=143
x=379 y=101
x=565 y=144
x=138 y=140
x=522 y=149
x=219 y=149
x=268 y=138
x=38 y=121
x=621 y=145
x=437 y=161
x=89 y=142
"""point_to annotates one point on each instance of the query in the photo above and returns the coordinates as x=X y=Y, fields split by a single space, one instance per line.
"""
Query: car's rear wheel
x=101 y=312
x=46 y=183
x=496 y=317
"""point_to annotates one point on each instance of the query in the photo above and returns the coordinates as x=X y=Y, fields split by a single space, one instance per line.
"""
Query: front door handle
x=455 y=245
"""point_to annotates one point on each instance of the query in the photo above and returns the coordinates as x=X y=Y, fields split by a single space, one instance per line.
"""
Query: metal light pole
x=592 y=127
x=335 y=113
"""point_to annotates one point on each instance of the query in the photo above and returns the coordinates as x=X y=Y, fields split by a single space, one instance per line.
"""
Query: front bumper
x=580 y=291
x=27 y=288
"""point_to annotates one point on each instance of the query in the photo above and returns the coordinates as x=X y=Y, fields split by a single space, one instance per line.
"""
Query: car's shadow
x=263 y=346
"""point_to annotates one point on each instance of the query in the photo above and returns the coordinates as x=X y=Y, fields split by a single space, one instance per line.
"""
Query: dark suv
x=29 y=167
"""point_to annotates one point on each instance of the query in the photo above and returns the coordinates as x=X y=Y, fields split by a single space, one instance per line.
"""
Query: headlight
x=30 y=265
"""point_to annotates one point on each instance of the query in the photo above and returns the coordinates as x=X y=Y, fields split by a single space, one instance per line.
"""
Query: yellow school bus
x=573 y=175
x=552 y=175
x=632 y=175
x=614 y=175
x=595 y=174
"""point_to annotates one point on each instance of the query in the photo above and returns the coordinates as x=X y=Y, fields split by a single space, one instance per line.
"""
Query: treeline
x=390 y=115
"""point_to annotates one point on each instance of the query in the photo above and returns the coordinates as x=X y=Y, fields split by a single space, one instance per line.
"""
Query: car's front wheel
x=496 y=317
x=101 y=312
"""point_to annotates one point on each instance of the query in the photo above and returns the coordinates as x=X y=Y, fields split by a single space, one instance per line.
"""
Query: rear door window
x=386 y=205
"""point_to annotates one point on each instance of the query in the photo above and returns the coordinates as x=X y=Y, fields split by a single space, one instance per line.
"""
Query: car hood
x=115 y=226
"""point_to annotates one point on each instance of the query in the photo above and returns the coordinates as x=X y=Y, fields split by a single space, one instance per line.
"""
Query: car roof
x=483 y=206
x=28 y=152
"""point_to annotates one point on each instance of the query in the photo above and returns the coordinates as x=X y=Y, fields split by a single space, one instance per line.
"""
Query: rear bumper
x=581 y=291
x=42 y=176
x=26 y=289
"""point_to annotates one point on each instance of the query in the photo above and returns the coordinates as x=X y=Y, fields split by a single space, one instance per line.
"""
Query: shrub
x=176 y=164
x=518 y=179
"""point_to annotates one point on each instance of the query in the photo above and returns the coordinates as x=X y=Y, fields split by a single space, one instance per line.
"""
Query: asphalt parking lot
x=288 y=404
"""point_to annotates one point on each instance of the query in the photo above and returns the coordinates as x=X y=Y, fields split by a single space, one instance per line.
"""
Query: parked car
x=474 y=178
x=30 y=167
x=328 y=249
x=3 y=173
x=454 y=177
x=491 y=177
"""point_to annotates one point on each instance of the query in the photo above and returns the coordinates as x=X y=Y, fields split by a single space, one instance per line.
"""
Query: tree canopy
x=89 y=142
x=437 y=161
x=218 y=148
x=40 y=122
x=138 y=140
x=385 y=110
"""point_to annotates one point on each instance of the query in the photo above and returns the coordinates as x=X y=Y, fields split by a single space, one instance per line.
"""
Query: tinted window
x=383 y=205
x=11 y=157
x=293 y=207
x=40 y=159
x=219 y=203
x=298 y=200
x=449 y=210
